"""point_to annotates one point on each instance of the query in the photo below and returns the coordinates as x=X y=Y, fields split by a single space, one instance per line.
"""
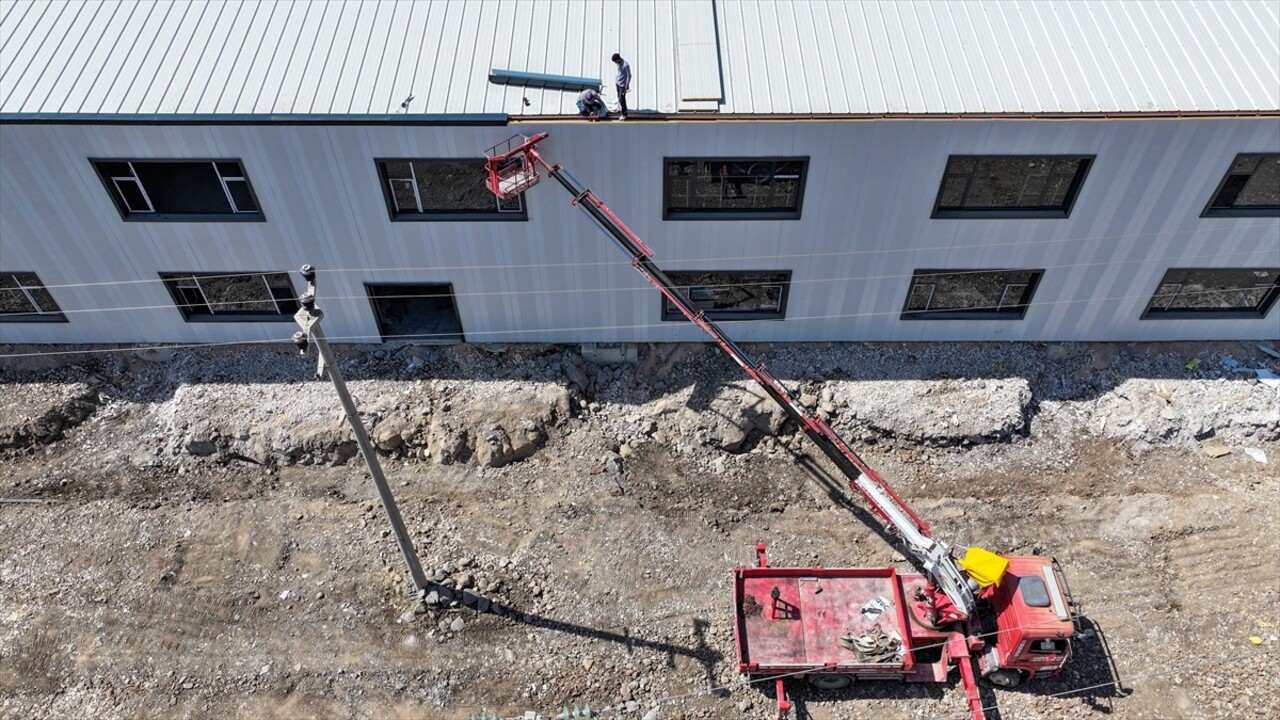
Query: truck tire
x=830 y=681
x=1005 y=678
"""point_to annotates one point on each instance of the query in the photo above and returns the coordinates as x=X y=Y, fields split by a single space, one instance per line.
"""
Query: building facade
x=188 y=226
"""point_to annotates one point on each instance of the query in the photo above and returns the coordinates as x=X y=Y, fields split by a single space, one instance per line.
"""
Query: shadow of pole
x=702 y=652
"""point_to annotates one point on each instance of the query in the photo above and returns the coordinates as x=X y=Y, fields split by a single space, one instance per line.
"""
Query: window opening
x=24 y=298
x=970 y=295
x=1010 y=186
x=1251 y=187
x=1215 y=292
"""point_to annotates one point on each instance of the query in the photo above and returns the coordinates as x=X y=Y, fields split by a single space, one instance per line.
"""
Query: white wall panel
x=865 y=227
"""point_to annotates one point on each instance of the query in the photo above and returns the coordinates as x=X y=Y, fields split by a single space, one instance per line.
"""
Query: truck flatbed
x=793 y=620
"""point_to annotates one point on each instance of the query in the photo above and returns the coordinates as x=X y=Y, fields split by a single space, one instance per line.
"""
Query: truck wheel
x=1005 y=678
x=828 y=681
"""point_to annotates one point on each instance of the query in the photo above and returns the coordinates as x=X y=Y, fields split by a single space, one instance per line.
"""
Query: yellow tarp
x=985 y=567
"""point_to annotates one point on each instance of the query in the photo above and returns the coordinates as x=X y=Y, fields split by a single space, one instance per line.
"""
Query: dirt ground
x=148 y=572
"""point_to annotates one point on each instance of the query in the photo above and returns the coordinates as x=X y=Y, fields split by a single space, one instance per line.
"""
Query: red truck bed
x=815 y=607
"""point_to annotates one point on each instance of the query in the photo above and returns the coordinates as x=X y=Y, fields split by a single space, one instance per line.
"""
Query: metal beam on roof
x=542 y=80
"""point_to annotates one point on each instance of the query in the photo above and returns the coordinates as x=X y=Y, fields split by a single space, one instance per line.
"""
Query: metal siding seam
x=1125 y=41
x=950 y=72
x=277 y=37
x=363 y=18
x=255 y=36
x=1188 y=38
x=417 y=61
x=759 y=76
x=1018 y=71
x=177 y=32
x=933 y=42
x=198 y=73
x=874 y=81
x=1078 y=56
x=377 y=83
x=322 y=78
x=27 y=62
x=1184 y=94
x=181 y=64
x=858 y=77
x=825 y=82
x=220 y=73
x=132 y=67
x=1244 y=58
x=998 y=69
x=1046 y=72
x=286 y=75
x=6 y=9
x=442 y=19
x=466 y=66
x=87 y=97
x=293 y=30
x=931 y=69
x=62 y=61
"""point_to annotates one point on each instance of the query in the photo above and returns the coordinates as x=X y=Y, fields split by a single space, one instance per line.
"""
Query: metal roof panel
x=260 y=57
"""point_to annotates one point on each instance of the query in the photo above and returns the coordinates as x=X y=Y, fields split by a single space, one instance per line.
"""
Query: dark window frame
x=384 y=181
x=700 y=215
x=1013 y=213
x=128 y=215
x=674 y=315
x=371 y=294
x=167 y=279
x=38 y=316
x=999 y=315
x=1264 y=211
x=1258 y=313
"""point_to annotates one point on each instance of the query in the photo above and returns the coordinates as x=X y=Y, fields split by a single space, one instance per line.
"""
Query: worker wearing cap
x=623 y=81
x=591 y=105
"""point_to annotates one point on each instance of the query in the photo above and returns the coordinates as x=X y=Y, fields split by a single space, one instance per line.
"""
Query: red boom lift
x=1008 y=615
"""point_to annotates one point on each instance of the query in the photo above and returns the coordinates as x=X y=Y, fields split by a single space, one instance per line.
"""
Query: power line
x=728 y=258
x=471 y=334
x=647 y=289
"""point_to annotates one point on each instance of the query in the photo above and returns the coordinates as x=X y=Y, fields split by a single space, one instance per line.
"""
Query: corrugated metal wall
x=866 y=225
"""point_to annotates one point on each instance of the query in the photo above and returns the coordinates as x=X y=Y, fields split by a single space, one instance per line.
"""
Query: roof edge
x=641 y=116
x=250 y=119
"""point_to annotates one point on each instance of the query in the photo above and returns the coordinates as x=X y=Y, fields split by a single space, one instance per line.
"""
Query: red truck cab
x=1034 y=625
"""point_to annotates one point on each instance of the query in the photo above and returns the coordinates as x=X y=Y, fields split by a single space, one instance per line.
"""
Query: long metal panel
x=697 y=59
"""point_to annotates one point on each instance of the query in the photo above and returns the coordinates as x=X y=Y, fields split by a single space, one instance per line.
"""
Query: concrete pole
x=308 y=317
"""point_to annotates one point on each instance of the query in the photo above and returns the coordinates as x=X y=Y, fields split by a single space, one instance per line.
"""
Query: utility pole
x=308 y=318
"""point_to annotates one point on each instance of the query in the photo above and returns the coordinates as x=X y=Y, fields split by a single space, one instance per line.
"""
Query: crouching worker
x=591 y=105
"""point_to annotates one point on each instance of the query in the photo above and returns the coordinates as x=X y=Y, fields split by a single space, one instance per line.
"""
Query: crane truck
x=1005 y=618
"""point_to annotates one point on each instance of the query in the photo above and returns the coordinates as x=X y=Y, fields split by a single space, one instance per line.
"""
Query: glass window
x=734 y=188
x=730 y=295
x=444 y=190
x=179 y=189
x=23 y=298
x=1023 y=186
x=1251 y=188
x=232 y=296
x=970 y=294
x=1216 y=293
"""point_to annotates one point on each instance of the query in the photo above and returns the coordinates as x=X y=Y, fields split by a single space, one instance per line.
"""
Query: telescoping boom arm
x=513 y=169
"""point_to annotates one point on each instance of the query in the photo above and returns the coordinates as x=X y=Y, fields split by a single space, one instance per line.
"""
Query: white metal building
x=819 y=170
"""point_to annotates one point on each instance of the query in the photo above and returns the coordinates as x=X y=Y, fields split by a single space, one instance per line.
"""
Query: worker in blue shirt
x=623 y=81
x=591 y=105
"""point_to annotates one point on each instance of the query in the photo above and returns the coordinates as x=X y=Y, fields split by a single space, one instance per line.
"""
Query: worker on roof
x=591 y=105
x=623 y=81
